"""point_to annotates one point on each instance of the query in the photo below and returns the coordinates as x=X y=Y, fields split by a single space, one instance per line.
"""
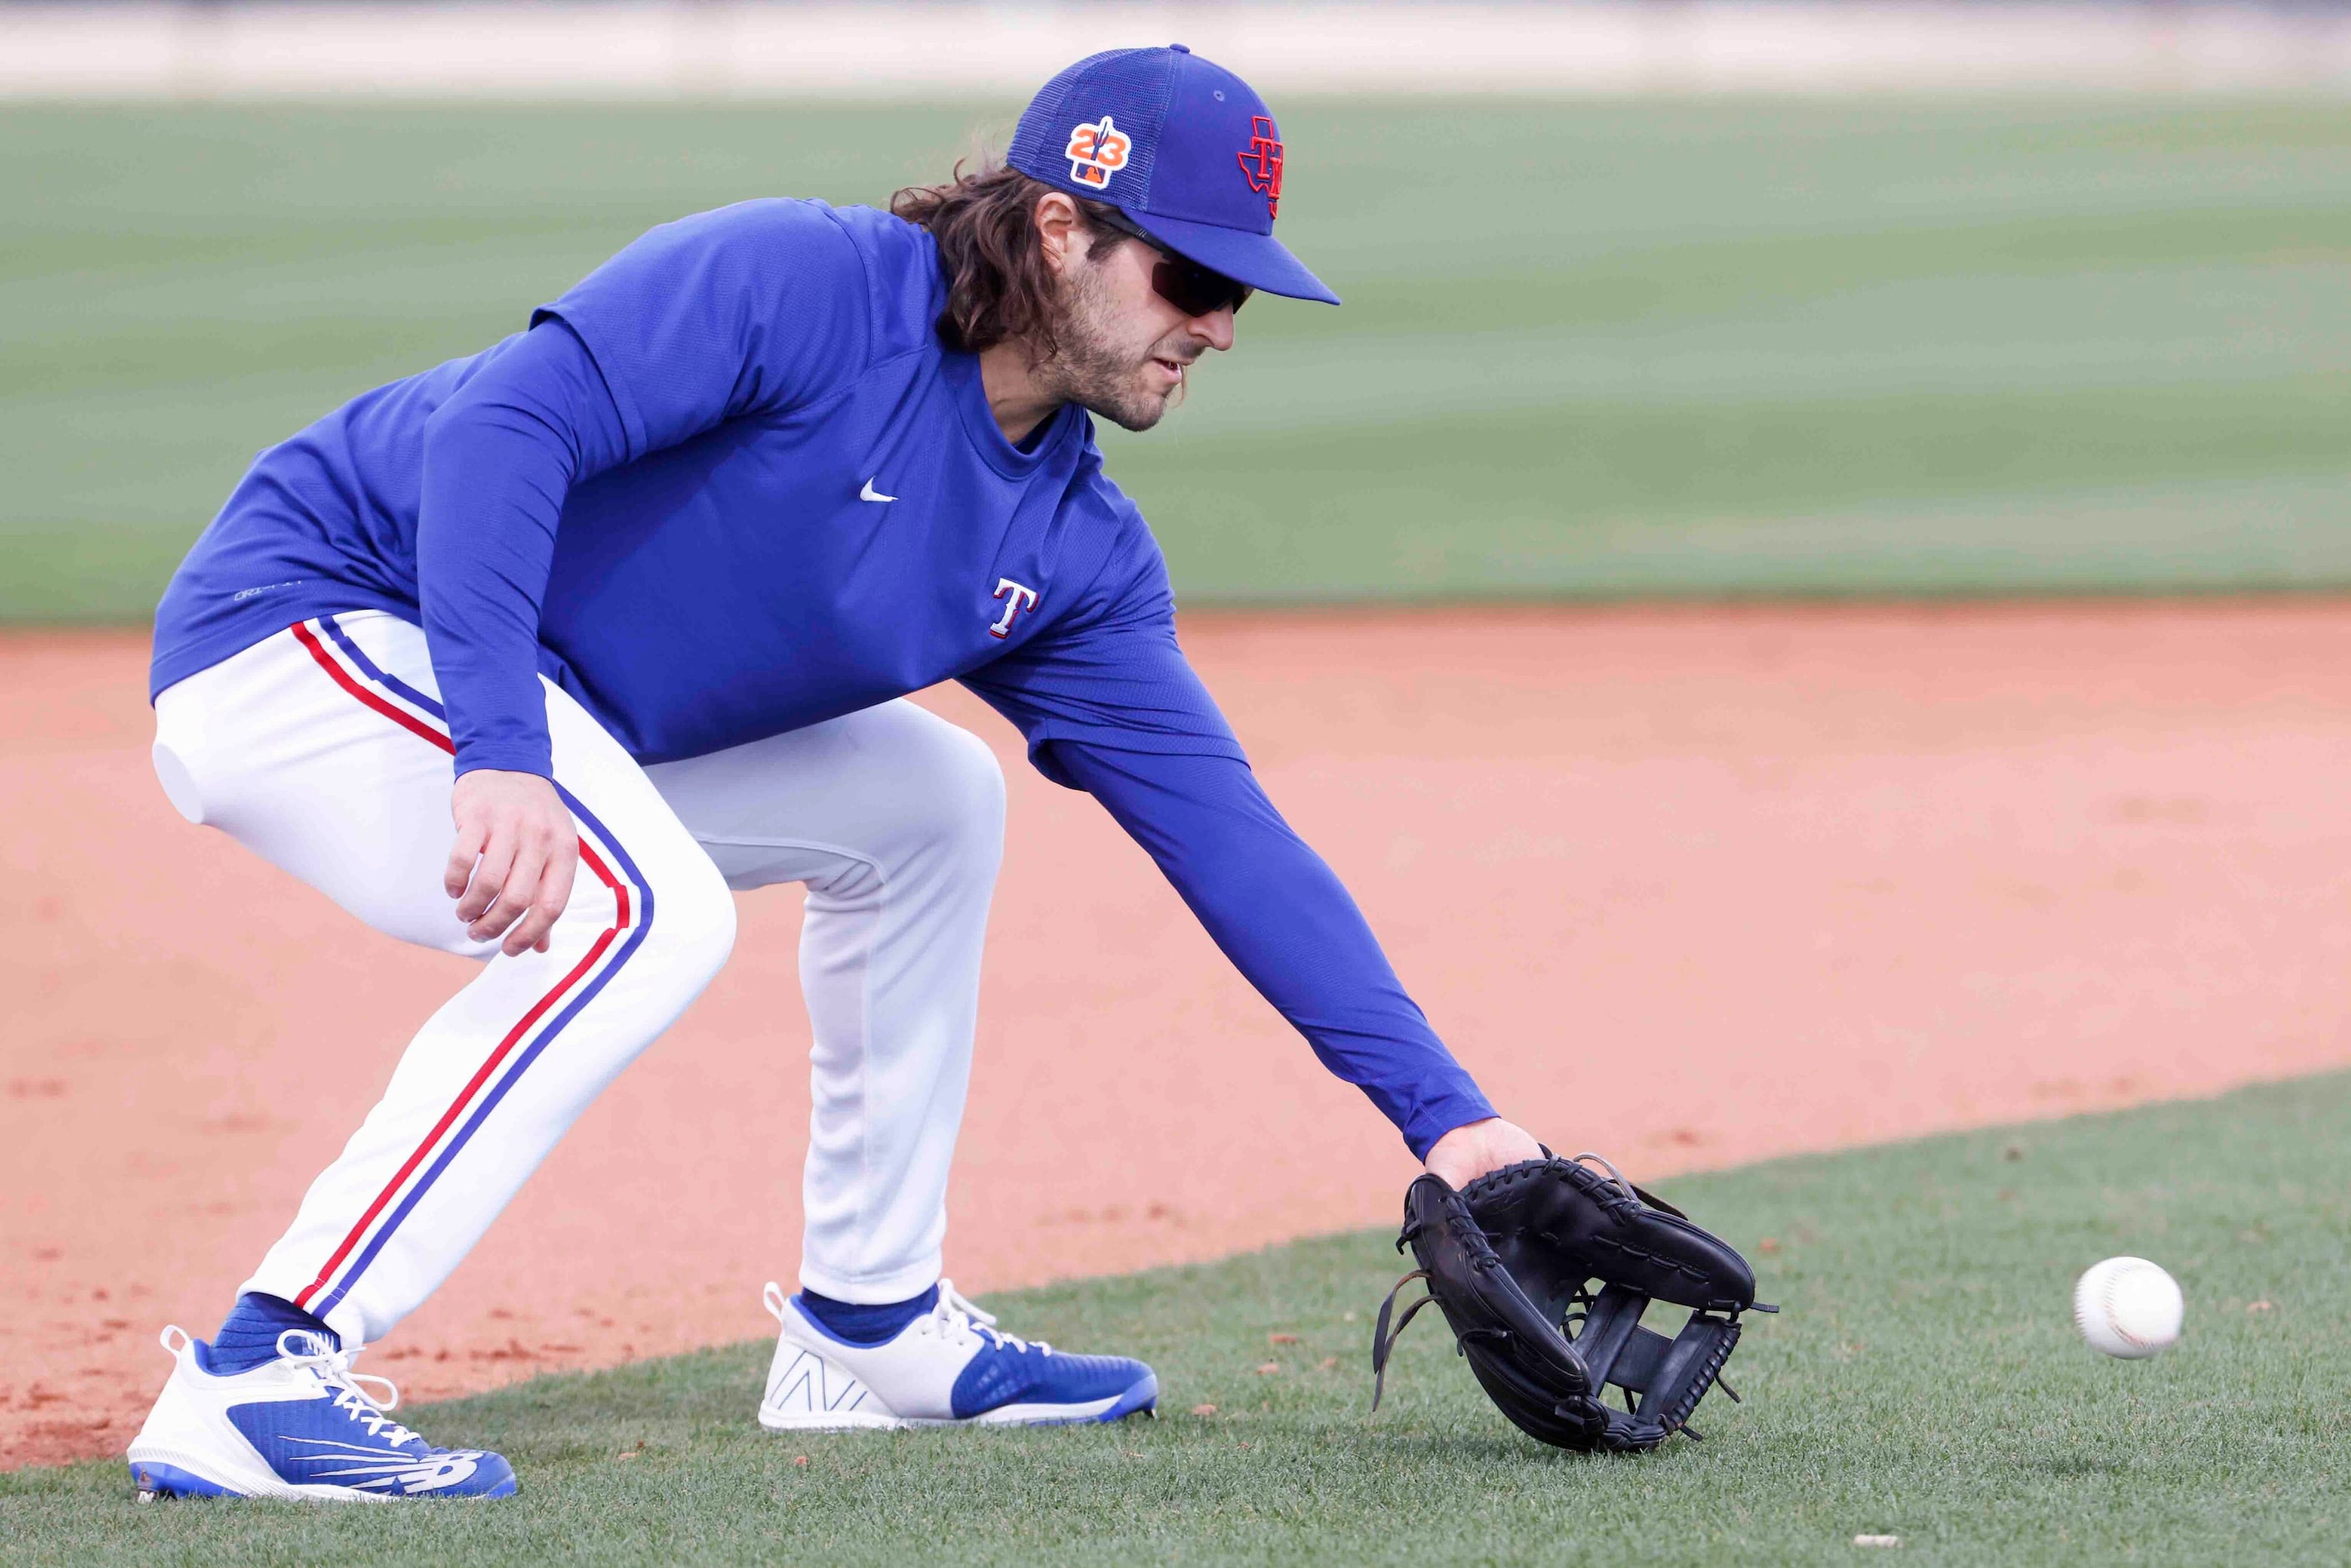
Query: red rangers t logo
x=1261 y=164
x=1097 y=152
x=1016 y=597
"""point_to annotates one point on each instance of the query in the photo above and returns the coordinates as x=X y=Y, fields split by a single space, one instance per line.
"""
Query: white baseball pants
x=323 y=750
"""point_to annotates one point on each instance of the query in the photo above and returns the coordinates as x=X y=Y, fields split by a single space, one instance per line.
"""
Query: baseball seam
x=2107 y=1294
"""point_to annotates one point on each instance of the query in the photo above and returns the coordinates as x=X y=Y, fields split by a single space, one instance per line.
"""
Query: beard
x=1100 y=371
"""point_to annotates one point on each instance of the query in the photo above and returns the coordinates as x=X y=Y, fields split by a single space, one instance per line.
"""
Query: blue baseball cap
x=1185 y=149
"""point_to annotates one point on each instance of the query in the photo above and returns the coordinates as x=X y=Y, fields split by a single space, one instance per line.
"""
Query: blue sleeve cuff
x=507 y=757
x=1433 y=1117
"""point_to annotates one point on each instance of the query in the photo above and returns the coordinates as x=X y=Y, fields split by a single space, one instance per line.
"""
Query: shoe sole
x=1141 y=1398
x=155 y=1478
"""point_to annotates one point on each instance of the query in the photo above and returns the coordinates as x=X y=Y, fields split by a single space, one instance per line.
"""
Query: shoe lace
x=333 y=1367
x=955 y=1315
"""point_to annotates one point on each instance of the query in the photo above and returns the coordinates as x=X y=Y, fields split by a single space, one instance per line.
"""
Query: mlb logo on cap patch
x=1099 y=150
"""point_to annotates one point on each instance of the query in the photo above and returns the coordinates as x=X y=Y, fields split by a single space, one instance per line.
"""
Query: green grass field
x=1924 y=1380
x=1625 y=347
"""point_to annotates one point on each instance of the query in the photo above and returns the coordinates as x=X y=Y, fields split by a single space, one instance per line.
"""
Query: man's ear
x=1061 y=231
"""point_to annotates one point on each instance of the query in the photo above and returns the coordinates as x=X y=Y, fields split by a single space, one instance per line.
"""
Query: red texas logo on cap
x=1097 y=152
x=1261 y=164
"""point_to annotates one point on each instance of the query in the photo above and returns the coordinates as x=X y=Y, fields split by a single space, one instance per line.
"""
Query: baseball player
x=634 y=598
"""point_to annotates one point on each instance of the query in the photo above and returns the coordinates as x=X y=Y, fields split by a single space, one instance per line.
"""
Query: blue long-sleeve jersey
x=732 y=484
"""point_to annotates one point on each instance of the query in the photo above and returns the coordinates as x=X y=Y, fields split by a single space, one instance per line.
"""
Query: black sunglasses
x=1192 y=288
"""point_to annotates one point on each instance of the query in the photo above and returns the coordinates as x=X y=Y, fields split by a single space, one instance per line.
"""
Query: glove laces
x=333 y=1368
x=1605 y=1164
x=955 y=1315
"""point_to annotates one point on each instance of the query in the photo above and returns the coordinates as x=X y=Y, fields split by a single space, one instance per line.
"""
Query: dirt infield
x=1832 y=874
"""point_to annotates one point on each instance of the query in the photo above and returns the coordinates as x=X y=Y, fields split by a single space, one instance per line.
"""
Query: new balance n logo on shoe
x=808 y=1383
x=372 y=1470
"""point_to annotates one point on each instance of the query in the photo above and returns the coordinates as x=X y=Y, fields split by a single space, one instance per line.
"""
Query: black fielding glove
x=1512 y=1261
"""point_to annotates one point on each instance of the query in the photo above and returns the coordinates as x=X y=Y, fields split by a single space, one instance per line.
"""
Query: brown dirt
x=1837 y=875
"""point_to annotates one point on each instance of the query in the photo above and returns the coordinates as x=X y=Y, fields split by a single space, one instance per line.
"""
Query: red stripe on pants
x=538 y=1009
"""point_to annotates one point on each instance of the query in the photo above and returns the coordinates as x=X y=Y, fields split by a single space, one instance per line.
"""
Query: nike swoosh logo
x=871 y=493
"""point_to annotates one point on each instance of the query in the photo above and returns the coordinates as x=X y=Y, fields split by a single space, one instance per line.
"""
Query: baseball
x=2127 y=1307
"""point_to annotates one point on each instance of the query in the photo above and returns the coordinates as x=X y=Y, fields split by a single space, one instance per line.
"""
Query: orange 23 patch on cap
x=1097 y=152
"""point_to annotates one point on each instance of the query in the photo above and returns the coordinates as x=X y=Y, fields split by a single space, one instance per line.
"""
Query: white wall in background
x=731 y=48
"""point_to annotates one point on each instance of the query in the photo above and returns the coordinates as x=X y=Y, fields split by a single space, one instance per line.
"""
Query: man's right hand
x=1476 y=1148
x=511 y=866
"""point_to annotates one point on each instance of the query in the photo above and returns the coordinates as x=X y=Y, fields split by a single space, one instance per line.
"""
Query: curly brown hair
x=999 y=286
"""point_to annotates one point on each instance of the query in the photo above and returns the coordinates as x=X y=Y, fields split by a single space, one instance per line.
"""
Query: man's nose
x=1215 y=328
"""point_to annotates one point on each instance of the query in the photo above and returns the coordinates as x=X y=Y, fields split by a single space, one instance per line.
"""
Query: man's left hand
x=1468 y=1152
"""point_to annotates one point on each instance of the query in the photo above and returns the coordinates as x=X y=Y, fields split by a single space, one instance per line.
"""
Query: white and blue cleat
x=298 y=1427
x=949 y=1367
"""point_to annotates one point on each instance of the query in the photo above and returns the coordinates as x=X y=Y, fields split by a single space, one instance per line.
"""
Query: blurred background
x=1642 y=298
